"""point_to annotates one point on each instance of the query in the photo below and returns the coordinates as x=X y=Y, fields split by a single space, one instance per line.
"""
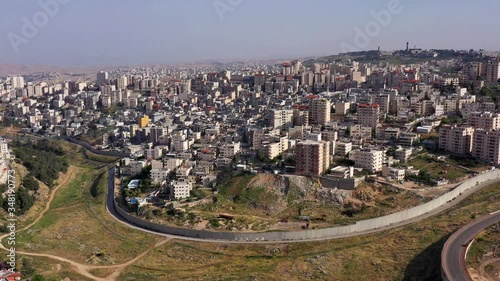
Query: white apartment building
x=403 y=154
x=393 y=173
x=179 y=142
x=274 y=148
x=154 y=153
x=370 y=160
x=106 y=101
x=180 y=189
x=17 y=82
x=343 y=148
x=280 y=118
x=359 y=131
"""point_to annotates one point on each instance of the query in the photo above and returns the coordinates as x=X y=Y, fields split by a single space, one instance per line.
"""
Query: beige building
x=470 y=108
x=486 y=120
x=300 y=117
x=341 y=108
x=154 y=153
x=368 y=159
x=319 y=111
x=229 y=150
x=122 y=82
x=343 y=148
x=393 y=173
x=486 y=146
x=492 y=72
x=369 y=115
x=274 y=149
x=456 y=139
x=280 y=118
x=313 y=158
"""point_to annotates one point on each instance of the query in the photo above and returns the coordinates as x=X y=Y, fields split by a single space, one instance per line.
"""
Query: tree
x=24 y=201
x=30 y=183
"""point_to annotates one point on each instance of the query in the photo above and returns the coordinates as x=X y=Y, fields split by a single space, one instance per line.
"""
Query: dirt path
x=482 y=270
x=69 y=175
x=82 y=269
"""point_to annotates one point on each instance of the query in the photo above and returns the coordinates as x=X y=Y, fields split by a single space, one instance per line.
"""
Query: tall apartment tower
x=17 y=82
x=456 y=139
x=486 y=120
x=492 y=72
x=122 y=83
x=319 y=111
x=369 y=115
x=102 y=78
x=313 y=158
x=486 y=146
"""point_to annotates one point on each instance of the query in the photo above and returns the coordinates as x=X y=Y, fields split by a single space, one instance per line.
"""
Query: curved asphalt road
x=110 y=206
x=454 y=250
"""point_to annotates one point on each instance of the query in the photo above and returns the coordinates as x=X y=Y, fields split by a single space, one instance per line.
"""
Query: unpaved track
x=482 y=270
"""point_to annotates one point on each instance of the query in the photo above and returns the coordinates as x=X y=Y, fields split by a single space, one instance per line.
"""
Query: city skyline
x=155 y=32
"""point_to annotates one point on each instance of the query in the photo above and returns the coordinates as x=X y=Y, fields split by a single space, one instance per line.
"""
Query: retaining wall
x=332 y=232
x=95 y=151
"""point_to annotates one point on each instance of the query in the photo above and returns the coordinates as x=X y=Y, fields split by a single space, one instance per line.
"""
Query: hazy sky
x=94 y=32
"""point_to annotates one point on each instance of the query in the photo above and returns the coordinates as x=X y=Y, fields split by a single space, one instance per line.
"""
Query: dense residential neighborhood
x=189 y=123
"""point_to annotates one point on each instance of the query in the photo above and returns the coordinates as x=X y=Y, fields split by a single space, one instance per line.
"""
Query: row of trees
x=44 y=159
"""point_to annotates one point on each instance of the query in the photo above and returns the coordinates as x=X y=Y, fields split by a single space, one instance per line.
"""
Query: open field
x=439 y=169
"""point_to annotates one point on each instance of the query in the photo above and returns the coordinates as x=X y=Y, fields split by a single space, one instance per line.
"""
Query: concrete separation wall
x=93 y=150
x=326 y=233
